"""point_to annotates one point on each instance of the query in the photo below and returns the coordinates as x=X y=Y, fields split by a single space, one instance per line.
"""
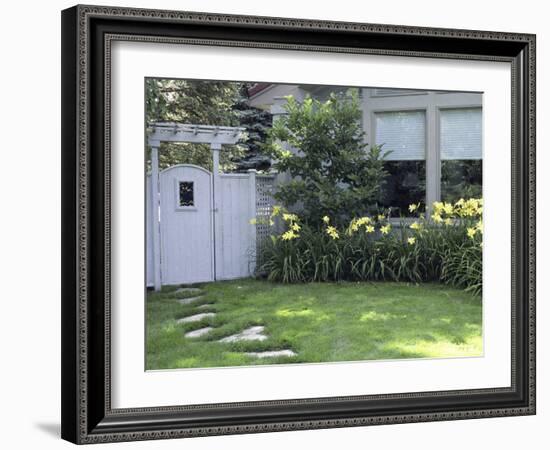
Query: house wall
x=431 y=102
x=377 y=100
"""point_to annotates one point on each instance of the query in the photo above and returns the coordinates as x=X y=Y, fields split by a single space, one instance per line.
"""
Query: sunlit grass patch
x=321 y=322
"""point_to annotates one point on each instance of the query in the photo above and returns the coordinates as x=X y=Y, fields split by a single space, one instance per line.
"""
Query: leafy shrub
x=446 y=247
x=331 y=171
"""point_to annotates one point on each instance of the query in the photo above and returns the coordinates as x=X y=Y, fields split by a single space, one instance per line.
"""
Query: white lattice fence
x=265 y=188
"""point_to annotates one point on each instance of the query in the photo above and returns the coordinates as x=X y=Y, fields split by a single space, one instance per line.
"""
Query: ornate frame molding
x=84 y=421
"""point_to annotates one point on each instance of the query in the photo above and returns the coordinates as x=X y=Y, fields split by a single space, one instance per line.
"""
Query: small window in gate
x=187 y=194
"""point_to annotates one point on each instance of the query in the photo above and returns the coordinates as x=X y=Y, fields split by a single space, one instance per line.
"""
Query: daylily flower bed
x=445 y=247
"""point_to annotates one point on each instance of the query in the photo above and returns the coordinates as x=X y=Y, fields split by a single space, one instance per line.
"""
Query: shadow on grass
x=321 y=322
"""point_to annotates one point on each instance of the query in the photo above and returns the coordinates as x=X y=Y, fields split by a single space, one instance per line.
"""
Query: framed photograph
x=279 y=224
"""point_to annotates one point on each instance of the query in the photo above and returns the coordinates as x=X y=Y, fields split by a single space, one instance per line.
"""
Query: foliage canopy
x=321 y=145
x=222 y=103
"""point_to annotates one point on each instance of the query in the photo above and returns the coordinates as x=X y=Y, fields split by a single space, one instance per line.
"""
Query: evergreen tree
x=257 y=123
x=195 y=102
x=221 y=103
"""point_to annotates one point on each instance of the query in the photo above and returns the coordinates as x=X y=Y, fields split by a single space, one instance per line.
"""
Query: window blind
x=460 y=133
x=387 y=92
x=402 y=132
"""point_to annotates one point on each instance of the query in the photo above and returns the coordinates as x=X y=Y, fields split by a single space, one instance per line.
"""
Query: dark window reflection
x=404 y=185
x=460 y=179
x=186 y=193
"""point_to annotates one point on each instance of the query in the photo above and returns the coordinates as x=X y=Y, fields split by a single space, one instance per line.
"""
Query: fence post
x=155 y=213
x=216 y=205
x=253 y=215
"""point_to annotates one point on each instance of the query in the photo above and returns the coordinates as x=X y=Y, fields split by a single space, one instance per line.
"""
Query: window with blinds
x=402 y=132
x=461 y=153
x=460 y=133
x=388 y=92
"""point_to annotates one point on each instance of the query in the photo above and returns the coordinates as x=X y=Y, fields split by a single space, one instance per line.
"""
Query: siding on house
x=413 y=124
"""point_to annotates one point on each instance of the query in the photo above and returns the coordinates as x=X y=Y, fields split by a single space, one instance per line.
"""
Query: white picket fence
x=212 y=238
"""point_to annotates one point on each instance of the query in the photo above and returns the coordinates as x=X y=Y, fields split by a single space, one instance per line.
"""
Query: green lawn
x=321 y=322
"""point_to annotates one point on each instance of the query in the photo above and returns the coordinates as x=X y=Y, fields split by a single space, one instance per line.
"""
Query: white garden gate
x=186 y=225
x=198 y=222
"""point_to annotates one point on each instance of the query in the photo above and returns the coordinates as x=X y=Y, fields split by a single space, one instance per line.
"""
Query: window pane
x=388 y=92
x=404 y=185
x=403 y=133
x=186 y=193
x=460 y=179
x=460 y=133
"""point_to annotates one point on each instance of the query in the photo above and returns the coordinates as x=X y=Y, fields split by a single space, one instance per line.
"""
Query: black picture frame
x=87 y=32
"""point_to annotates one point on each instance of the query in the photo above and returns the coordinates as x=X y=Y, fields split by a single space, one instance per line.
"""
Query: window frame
x=450 y=108
x=432 y=103
x=191 y=184
x=177 y=205
x=374 y=112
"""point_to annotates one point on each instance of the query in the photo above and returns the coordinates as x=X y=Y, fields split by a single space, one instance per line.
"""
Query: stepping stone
x=189 y=300
x=250 y=334
x=272 y=354
x=198 y=333
x=189 y=291
x=206 y=305
x=195 y=318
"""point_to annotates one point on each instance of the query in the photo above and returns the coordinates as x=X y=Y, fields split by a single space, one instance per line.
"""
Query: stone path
x=195 y=318
x=272 y=353
x=255 y=333
x=205 y=306
x=198 y=333
x=189 y=290
x=250 y=334
x=197 y=295
x=189 y=300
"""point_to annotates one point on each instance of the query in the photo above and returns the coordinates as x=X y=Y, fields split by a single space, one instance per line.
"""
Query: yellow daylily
x=479 y=226
x=385 y=229
x=411 y=240
x=363 y=220
x=416 y=226
x=448 y=208
x=356 y=223
x=326 y=219
x=289 y=235
x=332 y=232
x=353 y=226
x=470 y=208
x=471 y=232
x=253 y=221
x=438 y=207
x=289 y=217
x=369 y=229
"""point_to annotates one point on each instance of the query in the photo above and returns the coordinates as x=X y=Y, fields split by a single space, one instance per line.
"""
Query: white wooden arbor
x=215 y=136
